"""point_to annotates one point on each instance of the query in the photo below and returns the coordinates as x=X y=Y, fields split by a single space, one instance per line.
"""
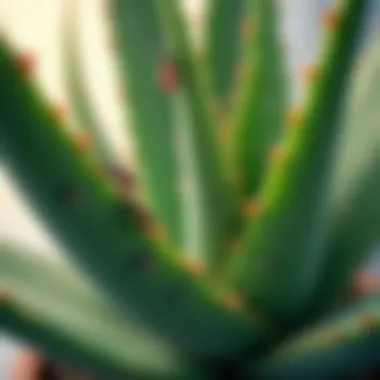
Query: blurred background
x=34 y=25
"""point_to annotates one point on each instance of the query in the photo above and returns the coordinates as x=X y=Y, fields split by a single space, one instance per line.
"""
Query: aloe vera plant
x=232 y=256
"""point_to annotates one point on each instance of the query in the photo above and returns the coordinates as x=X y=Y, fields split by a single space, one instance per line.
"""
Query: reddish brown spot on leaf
x=330 y=18
x=168 y=75
x=195 y=266
x=123 y=177
x=309 y=74
x=26 y=63
x=82 y=141
x=59 y=112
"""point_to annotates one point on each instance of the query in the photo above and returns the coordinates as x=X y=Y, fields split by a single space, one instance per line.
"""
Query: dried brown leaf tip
x=330 y=17
x=168 y=75
x=26 y=63
x=194 y=265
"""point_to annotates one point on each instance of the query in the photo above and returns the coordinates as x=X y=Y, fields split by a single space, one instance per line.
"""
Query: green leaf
x=58 y=310
x=355 y=228
x=223 y=46
x=281 y=258
x=104 y=234
x=209 y=218
x=139 y=50
x=262 y=96
x=77 y=91
x=341 y=345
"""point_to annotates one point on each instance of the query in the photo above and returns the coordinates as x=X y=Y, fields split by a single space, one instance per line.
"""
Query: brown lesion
x=26 y=63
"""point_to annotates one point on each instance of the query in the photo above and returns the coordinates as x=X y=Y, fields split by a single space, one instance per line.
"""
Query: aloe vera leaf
x=209 y=200
x=340 y=345
x=223 y=47
x=139 y=49
x=261 y=100
x=355 y=227
x=77 y=91
x=103 y=233
x=282 y=255
x=58 y=310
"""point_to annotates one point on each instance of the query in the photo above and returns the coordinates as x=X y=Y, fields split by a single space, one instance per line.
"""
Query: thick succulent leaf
x=77 y=91
x=356 y=196
x=104 y=233
x=280 y=263
x=58 y=310
x=341 y=345
x=223 y=46
x=139 y=50
x=208 y=199
x=262 y=95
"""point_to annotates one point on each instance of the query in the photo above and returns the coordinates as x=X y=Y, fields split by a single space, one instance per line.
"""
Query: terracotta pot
x=29 y=365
